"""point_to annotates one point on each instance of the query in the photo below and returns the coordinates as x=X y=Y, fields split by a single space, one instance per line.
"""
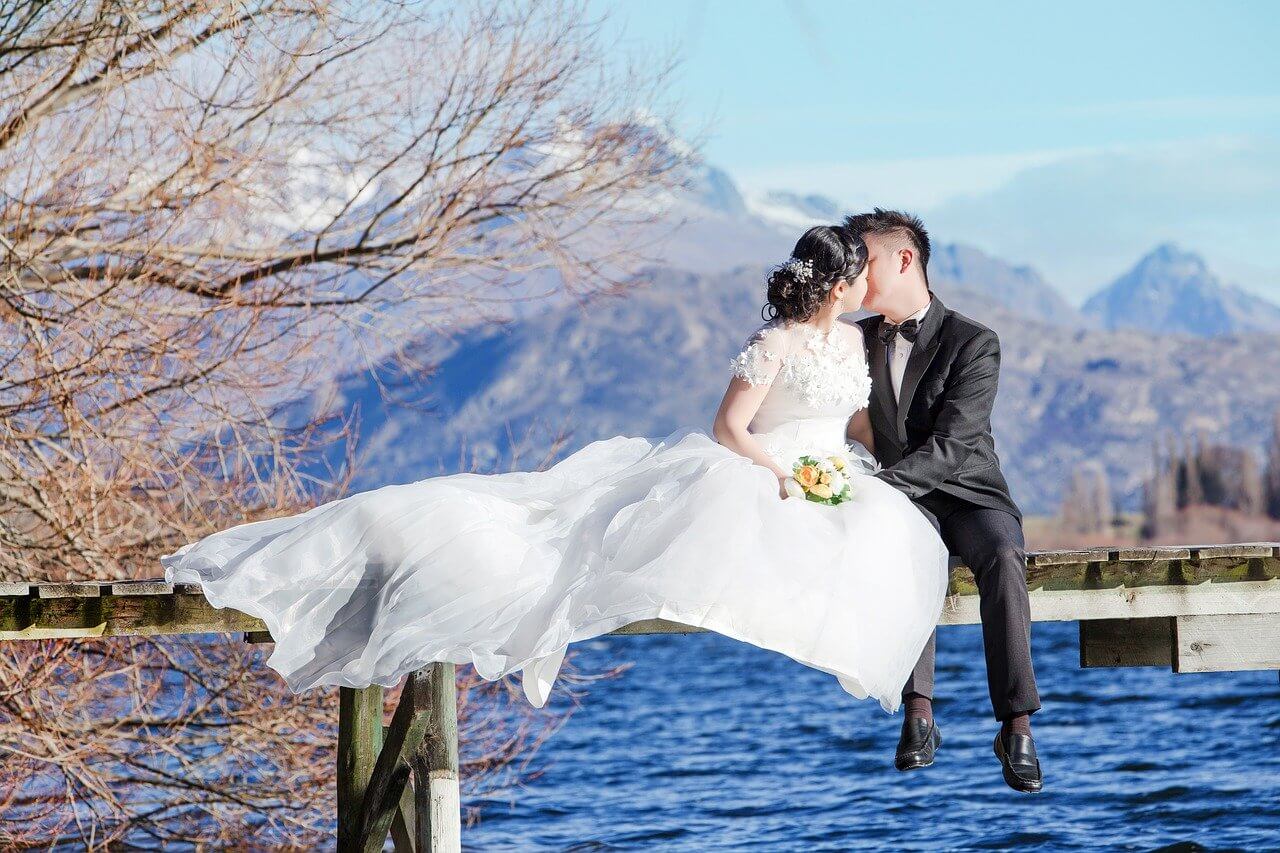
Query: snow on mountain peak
x=793 y=210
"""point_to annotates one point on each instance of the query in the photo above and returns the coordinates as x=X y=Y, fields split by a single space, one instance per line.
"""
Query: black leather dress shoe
x=917 y=744
x=1018 y=762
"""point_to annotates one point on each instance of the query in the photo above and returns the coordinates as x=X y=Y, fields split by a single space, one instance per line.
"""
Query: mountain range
x=1101 y=383
x=1172 y=291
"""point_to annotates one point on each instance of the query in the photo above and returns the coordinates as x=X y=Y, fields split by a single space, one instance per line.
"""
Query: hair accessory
x=801 y=271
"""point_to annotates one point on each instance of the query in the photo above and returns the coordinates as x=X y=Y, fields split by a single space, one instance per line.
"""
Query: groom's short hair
x=897 y=226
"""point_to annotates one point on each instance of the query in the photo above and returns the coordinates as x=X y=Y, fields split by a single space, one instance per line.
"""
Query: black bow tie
x=908 y=328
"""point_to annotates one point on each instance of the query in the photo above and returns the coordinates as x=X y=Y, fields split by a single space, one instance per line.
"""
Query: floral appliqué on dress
x=826 y=372
x=752 y=364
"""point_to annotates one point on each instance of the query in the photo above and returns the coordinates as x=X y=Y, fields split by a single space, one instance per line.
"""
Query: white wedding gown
x=504 y=570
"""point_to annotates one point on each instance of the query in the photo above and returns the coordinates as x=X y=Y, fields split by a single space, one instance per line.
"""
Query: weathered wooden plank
x=1059 y=558
x=1126 y=642
x=1153 y=552
x=79 y=589
x=359 y=739
x=1224 y=556
x=1136 y=573
x=144 y=610
x=15 y=614
x=1205 y=643
x=1244 y=549
x=1132 y=603
x=404 y=825
x=154 y=615
x=148 y=587
x=53 y=617
x=36 y=617
x=1229 y=568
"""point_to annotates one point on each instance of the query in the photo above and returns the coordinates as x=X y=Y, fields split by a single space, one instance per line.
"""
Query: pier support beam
x=438 y=803
x=375 y=765
x=359 y=741
x=1226 y=643
x=1126 y=642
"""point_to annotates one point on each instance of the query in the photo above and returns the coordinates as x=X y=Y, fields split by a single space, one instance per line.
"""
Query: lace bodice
x=816 y=382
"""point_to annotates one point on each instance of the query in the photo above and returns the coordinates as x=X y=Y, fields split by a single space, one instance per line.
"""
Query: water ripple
x=708 y=744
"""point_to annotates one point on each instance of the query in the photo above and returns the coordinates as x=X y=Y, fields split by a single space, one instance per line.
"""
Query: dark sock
x=1019 y=723
x=918 y=705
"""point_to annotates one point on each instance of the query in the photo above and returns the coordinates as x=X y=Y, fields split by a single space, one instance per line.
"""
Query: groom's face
x=880 y=272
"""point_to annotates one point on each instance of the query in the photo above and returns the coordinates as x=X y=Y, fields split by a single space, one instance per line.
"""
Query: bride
x=504 y=570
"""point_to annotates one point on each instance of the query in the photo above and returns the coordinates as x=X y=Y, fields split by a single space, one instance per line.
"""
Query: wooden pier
x=1194 y=609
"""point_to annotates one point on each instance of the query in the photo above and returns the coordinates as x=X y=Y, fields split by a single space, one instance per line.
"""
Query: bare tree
x=1160 y=494
x=1230 y=478
x=206 y=207
x=1087 y=506
x=1271 y=476
x=1190 y=483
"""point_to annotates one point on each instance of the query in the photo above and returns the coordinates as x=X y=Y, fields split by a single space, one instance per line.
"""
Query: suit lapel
x=880 y=383
x=922 y=353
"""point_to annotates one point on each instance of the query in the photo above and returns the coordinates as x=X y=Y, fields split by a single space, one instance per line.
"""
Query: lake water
x=707 y=743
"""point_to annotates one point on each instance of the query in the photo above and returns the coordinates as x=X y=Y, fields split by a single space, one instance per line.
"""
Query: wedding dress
x=504 y=570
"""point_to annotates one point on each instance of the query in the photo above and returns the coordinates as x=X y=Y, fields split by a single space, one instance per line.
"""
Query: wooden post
x=401 y=740
x=438 y=806
x=359 y=740
x=403 y=827
x=375 y=764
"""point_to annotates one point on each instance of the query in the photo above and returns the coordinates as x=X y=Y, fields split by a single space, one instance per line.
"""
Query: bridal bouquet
x=820 y=479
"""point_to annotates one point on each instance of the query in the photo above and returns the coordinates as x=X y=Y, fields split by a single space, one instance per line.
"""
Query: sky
x=1070 y=136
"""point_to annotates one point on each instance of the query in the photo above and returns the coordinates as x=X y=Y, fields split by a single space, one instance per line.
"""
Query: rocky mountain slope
x=656 y=359
x=1171 y=290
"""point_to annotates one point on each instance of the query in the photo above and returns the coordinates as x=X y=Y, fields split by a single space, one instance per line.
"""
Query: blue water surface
x=707 y=743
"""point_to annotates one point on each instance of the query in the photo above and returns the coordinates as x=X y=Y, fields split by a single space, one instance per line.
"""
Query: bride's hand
x=782 y=486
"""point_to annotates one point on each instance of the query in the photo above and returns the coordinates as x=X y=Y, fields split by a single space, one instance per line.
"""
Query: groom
x=934 y=374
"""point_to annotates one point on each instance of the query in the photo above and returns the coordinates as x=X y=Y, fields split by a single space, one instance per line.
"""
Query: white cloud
x=913 y=183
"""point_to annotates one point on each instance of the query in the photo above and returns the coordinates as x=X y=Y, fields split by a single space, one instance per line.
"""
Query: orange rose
x=822 y=490
x=807 y=476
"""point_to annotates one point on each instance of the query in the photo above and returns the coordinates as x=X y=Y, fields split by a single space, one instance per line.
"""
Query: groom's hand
x=964 y=417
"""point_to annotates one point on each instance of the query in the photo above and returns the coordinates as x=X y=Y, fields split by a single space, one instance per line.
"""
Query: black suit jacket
x=939 y=437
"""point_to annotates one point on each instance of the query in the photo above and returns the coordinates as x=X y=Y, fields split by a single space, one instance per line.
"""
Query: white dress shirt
x=900 y=350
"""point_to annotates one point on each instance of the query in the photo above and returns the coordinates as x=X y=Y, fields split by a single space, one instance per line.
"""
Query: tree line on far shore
x=1185 y=475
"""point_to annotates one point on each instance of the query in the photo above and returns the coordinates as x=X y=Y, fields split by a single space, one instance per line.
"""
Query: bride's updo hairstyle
x=823 y=256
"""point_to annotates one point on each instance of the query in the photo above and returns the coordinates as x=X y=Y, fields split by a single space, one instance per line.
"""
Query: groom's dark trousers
x=935 y=445
x=990 y=543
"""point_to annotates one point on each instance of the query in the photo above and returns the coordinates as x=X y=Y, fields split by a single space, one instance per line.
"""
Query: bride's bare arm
x=739 y=406
x=754 y=370
x=859 y=429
